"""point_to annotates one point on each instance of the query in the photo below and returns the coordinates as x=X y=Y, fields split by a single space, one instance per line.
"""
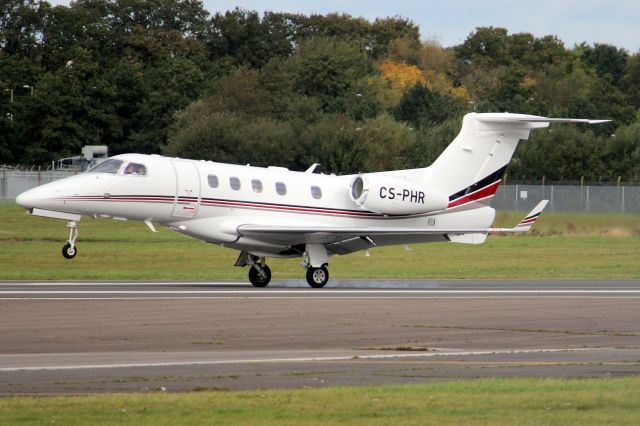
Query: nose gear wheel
x=69 y=250
x=259 y=275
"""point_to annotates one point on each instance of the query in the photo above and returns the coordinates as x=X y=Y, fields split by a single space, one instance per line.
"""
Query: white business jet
x=275 y=212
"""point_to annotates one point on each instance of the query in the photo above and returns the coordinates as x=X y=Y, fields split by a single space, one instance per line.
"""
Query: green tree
x=229 y=138
x=560 y=153
x=607 y=60
x=170 y=87
x=431 y=141
x=374 y=38
x=487 y=46
x=386 y=143
x=603 y=101
x=20 y=24
x=333 y=142
x=242 y=38
x=631 y=80
x=328 y=68
x=70 y=108
x=422 y=107
x=623 y=152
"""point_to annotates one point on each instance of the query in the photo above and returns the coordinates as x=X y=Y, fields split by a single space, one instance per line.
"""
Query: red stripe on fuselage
x=230 y=203
x=288 y=208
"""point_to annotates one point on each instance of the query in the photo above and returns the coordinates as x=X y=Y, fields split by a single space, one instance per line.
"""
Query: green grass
x=469 y=402
x=561 y=246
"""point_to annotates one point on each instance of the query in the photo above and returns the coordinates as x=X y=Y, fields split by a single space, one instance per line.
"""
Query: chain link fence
x=16 y=181
x=562 y=196
x=571 y=197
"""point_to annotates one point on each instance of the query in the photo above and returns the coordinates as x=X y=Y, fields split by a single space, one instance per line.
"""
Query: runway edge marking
x=297 y=359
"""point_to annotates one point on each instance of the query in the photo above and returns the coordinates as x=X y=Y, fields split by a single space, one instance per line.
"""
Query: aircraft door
x=187 y=189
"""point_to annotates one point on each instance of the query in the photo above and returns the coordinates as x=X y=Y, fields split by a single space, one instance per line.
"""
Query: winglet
x=526 y=223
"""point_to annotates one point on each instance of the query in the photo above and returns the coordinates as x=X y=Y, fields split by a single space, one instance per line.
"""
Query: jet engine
x=393 y=196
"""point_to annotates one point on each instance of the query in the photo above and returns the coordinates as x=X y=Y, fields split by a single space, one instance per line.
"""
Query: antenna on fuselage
x=312 y=168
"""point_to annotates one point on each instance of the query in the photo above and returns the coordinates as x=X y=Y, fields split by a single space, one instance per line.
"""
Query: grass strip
x=470 y=402
x=563 y=246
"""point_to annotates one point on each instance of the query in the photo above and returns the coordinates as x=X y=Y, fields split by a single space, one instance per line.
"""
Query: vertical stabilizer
x=471 y=168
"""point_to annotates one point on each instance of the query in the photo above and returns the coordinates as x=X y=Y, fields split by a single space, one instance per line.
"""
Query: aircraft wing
x=394 y=235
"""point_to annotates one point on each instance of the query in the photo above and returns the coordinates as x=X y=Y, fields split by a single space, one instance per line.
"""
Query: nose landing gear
x=259 y=272
x=69 y=250
x=259 y=275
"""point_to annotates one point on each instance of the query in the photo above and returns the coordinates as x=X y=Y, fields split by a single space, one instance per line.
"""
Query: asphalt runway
x=77 y=337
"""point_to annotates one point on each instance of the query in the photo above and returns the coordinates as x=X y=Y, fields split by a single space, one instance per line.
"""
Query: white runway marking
x=128 y=284
x=311 y=292
x=355 y=356
x=314 y=297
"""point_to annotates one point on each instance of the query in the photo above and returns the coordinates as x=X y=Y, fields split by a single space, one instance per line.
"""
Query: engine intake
x=388 y=195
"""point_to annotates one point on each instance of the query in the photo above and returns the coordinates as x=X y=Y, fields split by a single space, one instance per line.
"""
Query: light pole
x=11 y=97
x=26 y=86
x=11 y=91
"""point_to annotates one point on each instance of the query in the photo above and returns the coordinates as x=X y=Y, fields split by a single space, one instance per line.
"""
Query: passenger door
x=187 y=189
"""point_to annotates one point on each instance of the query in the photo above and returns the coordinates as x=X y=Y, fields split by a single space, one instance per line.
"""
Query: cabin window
x=235 y=183
x=135 y=169
x=110 y=166
x=281 y=188
x=316 y=192
x=256 y=185
x=213 y=181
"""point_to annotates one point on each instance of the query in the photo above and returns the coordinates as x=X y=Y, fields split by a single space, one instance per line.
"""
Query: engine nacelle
x=388 y=195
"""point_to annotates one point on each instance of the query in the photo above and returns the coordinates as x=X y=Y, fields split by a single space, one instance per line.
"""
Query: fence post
x=543 y=187
x=551 y=199
x=517 y=195
x=622 y=203
x=5 y=185
x=618 y=188
x=588 y=208
x=504 y=187
x=581 y=189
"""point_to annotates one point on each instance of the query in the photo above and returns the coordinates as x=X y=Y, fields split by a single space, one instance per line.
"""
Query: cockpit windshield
x=135 y=169
x=110 y=166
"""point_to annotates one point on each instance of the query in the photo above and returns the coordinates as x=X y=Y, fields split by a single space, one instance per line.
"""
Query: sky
x=614 y=22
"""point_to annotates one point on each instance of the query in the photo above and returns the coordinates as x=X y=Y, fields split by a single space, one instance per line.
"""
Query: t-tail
x=471 y=168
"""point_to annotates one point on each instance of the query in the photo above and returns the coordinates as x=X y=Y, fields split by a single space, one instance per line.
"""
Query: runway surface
x=143 y=336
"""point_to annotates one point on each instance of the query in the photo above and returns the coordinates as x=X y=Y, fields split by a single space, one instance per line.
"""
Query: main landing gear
x=315 y=261
x=69 y=250
x=317 y=277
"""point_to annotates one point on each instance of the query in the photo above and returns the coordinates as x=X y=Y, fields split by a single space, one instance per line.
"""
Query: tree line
x=166 y=76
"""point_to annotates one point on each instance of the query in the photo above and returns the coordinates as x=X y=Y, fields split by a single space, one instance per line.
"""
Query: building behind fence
x=562 y=196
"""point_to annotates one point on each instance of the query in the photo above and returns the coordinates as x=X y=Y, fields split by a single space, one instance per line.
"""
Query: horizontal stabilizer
x=523 y=118
x=526 y=223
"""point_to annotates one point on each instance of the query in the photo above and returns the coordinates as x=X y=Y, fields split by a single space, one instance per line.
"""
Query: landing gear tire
x=317 y=277
x=69 y=251
x=260 y=277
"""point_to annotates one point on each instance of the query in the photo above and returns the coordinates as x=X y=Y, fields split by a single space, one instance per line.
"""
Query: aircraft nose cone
x=25 y=199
